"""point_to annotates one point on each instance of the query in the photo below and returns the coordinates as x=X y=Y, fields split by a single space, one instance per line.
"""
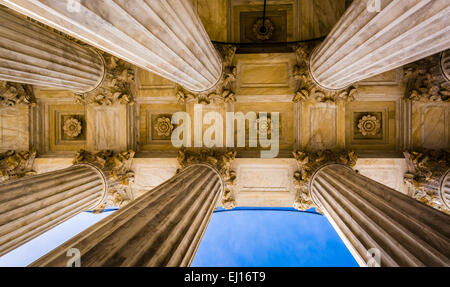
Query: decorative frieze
x=116 y=87
x=221 y=160
x=308 y=163
x=16 y=164
x=223 y=91
x=117 y=167
x=12 y=94
x=426 y=170
x=308 y=89
x=426 y=79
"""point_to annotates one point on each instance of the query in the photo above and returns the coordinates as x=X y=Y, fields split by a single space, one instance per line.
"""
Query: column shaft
x=365 y=43
x=367 y=215
x=162 y=228
x=163 y=37
x=32 y=54
x=33 y=205
x=444 y=191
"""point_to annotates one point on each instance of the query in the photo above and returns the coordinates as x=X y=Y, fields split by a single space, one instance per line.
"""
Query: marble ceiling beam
x=35 y=55
x=164 y=37
x=367 y=41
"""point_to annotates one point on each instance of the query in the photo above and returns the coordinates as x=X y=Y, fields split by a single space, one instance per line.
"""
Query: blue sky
x=233 y=239
x=271 y=239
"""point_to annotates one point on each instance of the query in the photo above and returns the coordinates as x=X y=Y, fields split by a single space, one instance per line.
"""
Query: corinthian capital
x=117 y=170
x=308 y=89
x=116 y=87
x=426 y=170
x=223 y=91
x=16 y=164
x=427 y=80
x=308 y=163
x=222 y=160
x=12 y=94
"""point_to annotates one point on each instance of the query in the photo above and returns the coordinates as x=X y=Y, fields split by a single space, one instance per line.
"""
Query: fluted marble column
x=32 y=54
x=366 y=43
x=33 y=205
x=368 y=215
x=163 y=37
x=445 y=189
x=164 y=227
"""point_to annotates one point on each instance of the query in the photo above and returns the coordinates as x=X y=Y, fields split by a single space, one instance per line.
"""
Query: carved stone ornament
x=72 y=127
x=426 y=80
x=12 y=94
x=264 y=31
x=116 y=87
x=264 y=126
x=223 y=91
x=16 y=164
x=117 y=168
x=222 y=160
x=369 y=125
x=425 y=171
x=163 y=127
x=308 y=163
x=307 y=89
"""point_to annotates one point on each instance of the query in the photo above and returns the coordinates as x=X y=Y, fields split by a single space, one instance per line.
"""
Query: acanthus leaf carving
x=307 y=89
x=425 y=171
x=223 y=90
x=117 y=168
x=15 y=164
x=116 y=87
x=222 y=160
x=308 y=163
x=426 y=80
x=12 y=94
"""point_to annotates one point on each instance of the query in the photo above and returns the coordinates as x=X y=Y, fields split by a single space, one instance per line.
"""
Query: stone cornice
x=16 y=164
x=308 y=89
x=117 y=170
x=425 y=173
x=222 y=160
x=308 y=163
x=223 y=91
x=12 y=94
x=426 y=79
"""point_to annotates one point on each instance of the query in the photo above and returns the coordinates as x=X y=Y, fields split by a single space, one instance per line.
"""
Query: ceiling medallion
x=72 y=127
x=264 y=31
x=164 y=127
x=369 y=125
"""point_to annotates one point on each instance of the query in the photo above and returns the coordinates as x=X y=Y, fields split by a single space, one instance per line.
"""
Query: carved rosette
x=223 y=91
x=426 y=80
x=369 y=125
x=12 y=94
x=426 y=170
x=16 y=164
x=308 y=163
x=163 y=127
x=222 y=160
x=116 y=87
x=117 y=168
x=72 y=127
x=307 y=89
x=264 y=31
x=264 y=126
